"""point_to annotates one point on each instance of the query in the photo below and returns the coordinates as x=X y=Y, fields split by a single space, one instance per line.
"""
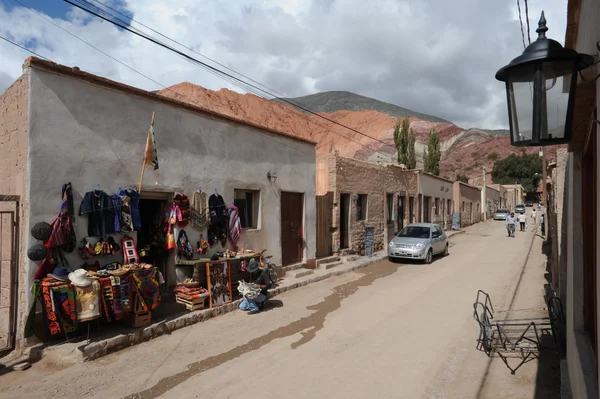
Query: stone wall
x=353 y=177
x=14 y=143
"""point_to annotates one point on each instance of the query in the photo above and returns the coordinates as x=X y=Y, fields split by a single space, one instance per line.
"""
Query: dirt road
x=389 y=331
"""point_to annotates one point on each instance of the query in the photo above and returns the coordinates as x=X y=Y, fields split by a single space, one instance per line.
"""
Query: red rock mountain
x=463 y=151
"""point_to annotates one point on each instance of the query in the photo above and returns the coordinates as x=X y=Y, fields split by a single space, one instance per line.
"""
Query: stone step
x=352 y=258
x=299 y=273
x=295 y=266
x=330 y=265
x=329 y=259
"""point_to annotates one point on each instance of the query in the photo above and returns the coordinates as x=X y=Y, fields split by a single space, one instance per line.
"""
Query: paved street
x=387 y=331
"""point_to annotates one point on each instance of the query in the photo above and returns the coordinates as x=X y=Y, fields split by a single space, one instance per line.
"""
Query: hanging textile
x=184 y=248
x=116 y=202
x=199 y=211
x=148 y=285
x=126 y=215
x=135 y=207
x=183 y=203
x=88 y=301
x=235 y=226
x=67 y=208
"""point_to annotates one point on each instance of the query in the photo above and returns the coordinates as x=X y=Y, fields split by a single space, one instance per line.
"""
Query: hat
x=253 y=266
x=41 y=231
x=37 y=252
x=60 y=273
x=79 y=278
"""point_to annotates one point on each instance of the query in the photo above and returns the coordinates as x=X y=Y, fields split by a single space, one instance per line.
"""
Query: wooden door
x=344 y=221
x=292 y=229
x=324 y=219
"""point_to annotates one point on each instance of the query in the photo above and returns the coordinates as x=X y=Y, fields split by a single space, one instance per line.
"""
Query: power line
x=527 y=18
x=103 y=14
x=115 y=59
x=521 y=23
x=24 y=48
x=187 y=47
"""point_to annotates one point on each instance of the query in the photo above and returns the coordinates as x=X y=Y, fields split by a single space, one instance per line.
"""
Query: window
x=390 y=207
x=437 y=206
x=361 y=207
x=247 y=202
x=463 y=206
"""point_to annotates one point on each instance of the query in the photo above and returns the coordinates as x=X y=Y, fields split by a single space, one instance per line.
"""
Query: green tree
x=411 y=161
x=432 y=154
x=462 y=177
x=524 y=169
x=401 y=140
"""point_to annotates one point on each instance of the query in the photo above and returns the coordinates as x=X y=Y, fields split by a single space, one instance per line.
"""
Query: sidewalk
x=76 y=352
x=539 y=378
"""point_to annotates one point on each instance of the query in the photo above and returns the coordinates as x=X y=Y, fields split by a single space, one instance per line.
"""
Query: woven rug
x=64 y=300
x=147 y=284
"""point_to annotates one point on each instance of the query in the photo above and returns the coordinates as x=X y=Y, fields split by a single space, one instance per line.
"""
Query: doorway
x=401 y=206
x=344 y=220
x=426 y=209
x=151 y=235
x=411 y=209
x=292 y=231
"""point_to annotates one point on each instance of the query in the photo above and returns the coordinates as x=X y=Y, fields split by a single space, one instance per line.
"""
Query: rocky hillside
x=463 y=151
x=332 y=101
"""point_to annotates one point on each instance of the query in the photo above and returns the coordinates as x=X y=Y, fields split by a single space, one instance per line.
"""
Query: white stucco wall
x=431 y=186
x=90 y=135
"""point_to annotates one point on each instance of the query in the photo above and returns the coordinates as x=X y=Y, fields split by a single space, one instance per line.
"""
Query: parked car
x=529 y=204
x=520 y=209
x=501 y=214
x=418 y=241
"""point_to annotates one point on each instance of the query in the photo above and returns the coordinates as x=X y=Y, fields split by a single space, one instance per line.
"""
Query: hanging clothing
x=183 y=203
x=126 y=216
x=135 y=207
x=67 y=207
x=218 y=209
x=98 y=207
x=175 y=214
x=116 y=202
x=199 y=211
x=235 y=226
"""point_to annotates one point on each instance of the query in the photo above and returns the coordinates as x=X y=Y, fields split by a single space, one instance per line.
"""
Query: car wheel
x=391 y=259
x=446 y=253
x=429 y=257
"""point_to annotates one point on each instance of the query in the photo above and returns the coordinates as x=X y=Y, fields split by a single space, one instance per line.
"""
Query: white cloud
x=437 y=57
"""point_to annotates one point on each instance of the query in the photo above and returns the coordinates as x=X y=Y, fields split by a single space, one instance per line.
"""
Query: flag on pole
x=150 y=155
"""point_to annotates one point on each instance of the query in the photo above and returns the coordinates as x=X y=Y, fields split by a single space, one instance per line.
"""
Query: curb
x=104 y=347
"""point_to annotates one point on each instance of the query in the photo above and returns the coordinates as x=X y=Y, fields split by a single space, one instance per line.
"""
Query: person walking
x=543 y=224
x=522 y=220
x=533 y=215
x=510 y=224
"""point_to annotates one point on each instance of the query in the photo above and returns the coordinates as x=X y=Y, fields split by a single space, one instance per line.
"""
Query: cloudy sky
x=436 y=56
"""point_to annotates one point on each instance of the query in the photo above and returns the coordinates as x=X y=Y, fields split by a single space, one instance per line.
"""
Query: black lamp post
x=540 y=90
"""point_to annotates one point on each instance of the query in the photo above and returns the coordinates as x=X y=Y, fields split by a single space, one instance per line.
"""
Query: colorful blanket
x=147 y=283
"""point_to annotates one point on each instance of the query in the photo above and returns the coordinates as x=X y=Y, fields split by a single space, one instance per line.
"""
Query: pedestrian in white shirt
x=533 y=215
x=510 y=224
x=522 y=220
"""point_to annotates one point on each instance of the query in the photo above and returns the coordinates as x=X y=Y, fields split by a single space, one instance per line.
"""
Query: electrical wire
x=24 y=48
x=187 y=47
x=111 y=18
x=527 y=18
x=521 y=23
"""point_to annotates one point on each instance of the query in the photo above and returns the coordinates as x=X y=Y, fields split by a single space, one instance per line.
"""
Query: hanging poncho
x=235 y=226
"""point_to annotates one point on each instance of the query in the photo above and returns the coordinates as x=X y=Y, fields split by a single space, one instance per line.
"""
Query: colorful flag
x=150 y=155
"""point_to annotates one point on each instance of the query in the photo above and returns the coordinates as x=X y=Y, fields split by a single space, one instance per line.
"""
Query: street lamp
x=541 y=80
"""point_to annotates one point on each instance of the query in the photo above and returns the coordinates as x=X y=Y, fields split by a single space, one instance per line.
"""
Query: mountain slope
x=463 y=151
x=332 y=101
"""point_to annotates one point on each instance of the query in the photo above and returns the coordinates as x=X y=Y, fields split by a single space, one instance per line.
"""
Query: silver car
x=418 y=241
x=501 y=214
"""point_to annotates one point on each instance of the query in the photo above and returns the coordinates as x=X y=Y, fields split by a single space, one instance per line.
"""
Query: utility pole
x=484 y=197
